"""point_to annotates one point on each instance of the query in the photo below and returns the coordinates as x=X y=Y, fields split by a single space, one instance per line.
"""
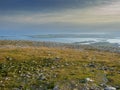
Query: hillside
x=26 y=65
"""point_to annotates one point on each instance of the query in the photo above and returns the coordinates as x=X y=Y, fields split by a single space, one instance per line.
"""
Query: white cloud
x=113 y=8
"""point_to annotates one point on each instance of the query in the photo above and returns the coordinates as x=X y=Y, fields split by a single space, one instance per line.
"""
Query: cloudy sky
x=56 y=16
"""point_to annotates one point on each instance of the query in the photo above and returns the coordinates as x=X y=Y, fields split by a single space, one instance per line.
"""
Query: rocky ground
x=46 y=67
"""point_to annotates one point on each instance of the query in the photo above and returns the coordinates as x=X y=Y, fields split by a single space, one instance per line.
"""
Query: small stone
x=6 y=78
x=89 y=80
x=52 y=67
x=55 y=76
x=103 y=85
x=104 y=68
x=75 y=89
x=91 y=65
x=9 y=58
x=1 y=81
x=16 y=89
x=58 y=66
x=56 y=87
x=110 y=88
x=57 y=58
x=118 y=72
x=66 y=64
x=43 y=78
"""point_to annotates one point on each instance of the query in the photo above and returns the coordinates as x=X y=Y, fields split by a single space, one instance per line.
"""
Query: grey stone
x=109 y=88
x=56 y=87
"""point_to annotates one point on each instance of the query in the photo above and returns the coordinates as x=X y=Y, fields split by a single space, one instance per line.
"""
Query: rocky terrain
x=27 y=65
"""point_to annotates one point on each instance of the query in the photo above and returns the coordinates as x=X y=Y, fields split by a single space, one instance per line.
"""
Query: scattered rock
x=66 y=64
x=16 y=89
x=109 y=88
x=92 y=65
x=118 y=72
x=62 y=65
x=89 y=80
x=43 y=78
x=56 y=87
x=58 y=66
x=104 y=68
x=103 y=85
x=9 y=58
x=52 y=67
x=57 y=58
x=75 y=89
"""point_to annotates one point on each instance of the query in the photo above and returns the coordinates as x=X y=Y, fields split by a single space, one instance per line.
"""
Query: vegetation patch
x=48 y=68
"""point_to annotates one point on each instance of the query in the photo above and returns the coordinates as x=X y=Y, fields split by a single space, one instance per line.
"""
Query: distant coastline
x=100 y=46
x=81 y=38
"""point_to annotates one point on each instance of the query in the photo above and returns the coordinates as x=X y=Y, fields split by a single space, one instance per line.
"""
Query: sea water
x=83 y=38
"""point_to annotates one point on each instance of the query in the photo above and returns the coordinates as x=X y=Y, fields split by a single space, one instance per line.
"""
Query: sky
x=58 y=16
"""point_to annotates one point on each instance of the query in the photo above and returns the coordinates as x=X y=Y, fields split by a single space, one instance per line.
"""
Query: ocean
x=82 y=38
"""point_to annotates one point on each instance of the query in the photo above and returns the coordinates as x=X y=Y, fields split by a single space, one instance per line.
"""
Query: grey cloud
x=48 y=5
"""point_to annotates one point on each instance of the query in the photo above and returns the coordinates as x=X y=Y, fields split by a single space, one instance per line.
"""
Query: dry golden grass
x=26 y=53
x=73 y=64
